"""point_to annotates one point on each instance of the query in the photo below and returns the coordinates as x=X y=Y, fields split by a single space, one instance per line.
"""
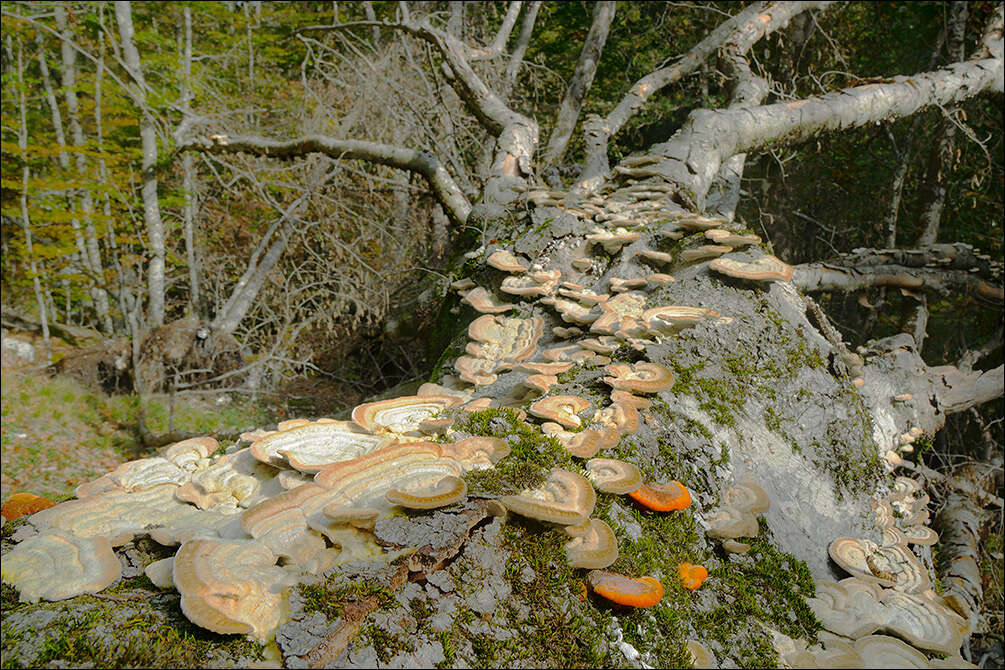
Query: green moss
x=384 y=643
x=330 y=600
x=104 y=633
x=532 y=453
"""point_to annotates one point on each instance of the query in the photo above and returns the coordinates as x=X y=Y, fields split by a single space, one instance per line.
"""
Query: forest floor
x=57 y=433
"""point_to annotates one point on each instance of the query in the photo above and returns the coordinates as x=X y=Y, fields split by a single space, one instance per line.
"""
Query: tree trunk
x=188 y=169
x=92 y=249
x=148 y=138
x=579 y=85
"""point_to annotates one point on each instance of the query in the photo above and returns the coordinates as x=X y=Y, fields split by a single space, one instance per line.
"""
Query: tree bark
x=691 y=159
x=579 y=85
x=148 y=138
x=92 y=249
x=443 y=185
x=188 y=170
x=22 y=144
x=752 y=23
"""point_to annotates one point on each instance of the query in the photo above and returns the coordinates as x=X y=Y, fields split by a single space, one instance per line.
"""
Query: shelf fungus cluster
x=886 y=614
x=735 y=517
x=250 y=523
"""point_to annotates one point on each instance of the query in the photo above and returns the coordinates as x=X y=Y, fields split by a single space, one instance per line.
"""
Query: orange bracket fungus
x=21 y=504
x=663 y=497
x=691 y=576
x=641 y=592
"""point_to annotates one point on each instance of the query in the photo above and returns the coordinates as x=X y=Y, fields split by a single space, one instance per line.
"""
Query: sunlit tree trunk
x=148 y=138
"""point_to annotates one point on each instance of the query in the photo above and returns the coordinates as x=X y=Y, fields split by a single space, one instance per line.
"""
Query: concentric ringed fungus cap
x=447 y=491
x=641 y=592
x=593 y=545
x=643 y=377
x=486 y=303
x=613 y=476
x=703 y=252
x=747 y=495
x=729 y=522
x=883 y=651
x=765 y=268
x=566 y=498
x=851 y=555
x=230 y=586
x=505 y=261
x=401 y=415
x=730 y=239
x=563 y=409
x=663 y=497
x=57 y=565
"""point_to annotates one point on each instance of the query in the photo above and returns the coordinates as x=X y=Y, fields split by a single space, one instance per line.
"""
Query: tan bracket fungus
x=57 y=565
x=566 y=498
x=613 y=476
x=765 y=268
x=643 y=377
x=731 y=239
x=447 y=491
x=507 y=262
x=230 y=586
x=593 y=545
x=563 y=409
x=401 y=416
x=310 y=447
x=484 y=302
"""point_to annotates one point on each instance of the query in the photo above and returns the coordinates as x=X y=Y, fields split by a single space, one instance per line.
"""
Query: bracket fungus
x=612 y=240
x=669 y=319
x=704 y=252
x=731 y=239
x=505 y=261
x=765 y=268
x=566 y=498
x=657 y=257
x=401 y=416
x=21 y=504
x=57 y=565
x=619 y=285
x=622 y=312
x=447 y=491
x=484 y=302
x=310 y=447
x=643 y=377
x=140 y=474
x=641 y=592
x=613 y=476
x=593 y=545
x=692 y=576
x=662 y=497
x=230 y=586
x=892 y=565
x=563 y=409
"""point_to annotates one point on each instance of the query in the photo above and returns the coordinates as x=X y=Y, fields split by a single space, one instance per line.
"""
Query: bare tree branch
x=522 y=42
x=498 y=45
x=691 y=159
x=579 y=85
x=745 y=28
x=443 y=185
x=942 y=268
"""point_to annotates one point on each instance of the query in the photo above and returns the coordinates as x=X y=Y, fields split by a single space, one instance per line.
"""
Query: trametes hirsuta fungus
x=507 y=262
x=239 y=479
x=446 y=491
x=566 y=498
x=612 y=240
x=400 y=416
x=532 y=284
x=613 y=476
x=735 y=516
x=731 y=239
x=593 y=545
x=655 y=257
x=582 y=295
x=230 y=586
x=704 y=252
x=308 y=448
x=892 y=565
x=484 y=302
x=641 y=592
x=140 y=474
x=563 y=409
x=643 y=377
x=765 y=268
x=697 y=222
x=619 y=285
x=58 y=565
x=669 y=319
x=622 y=312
